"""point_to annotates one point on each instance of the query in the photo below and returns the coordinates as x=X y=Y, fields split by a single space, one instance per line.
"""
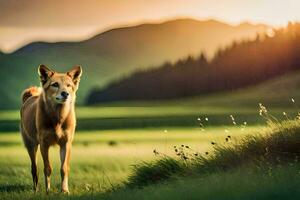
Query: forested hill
x=241 y=64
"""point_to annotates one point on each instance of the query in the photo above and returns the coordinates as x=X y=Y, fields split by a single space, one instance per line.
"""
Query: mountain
x=117 y=52
x=239 y=65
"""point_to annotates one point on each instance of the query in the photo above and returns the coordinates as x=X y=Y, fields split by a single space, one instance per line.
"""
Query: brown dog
x=48 y=118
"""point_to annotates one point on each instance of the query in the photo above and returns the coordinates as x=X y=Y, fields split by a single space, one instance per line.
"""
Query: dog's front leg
x=47 y=167
x=65 y=154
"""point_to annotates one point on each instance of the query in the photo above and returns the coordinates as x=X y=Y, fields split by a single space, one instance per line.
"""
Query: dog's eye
x=55 y=84
x=68 y=85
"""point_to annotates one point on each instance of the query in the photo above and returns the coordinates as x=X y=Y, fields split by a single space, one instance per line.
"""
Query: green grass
x=96 y=165
x=111 y=117
x=99 y=169
x=269 y=161
x=102 y=164
x=247 y=184
x=121 y=111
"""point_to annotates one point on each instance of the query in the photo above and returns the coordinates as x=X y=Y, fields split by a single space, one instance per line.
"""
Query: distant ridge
x=240 y=65
x=117 y=52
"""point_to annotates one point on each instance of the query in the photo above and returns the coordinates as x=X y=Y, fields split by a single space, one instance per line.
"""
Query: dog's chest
x=62 y=134
x=56 y=135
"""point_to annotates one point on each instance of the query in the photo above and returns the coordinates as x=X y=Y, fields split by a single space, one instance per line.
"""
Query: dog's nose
x=64 y=94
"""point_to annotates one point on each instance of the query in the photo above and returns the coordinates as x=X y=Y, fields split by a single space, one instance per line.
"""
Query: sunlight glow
x=53 y=20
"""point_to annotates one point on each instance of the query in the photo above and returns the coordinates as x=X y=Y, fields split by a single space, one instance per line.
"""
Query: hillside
x=115 y=53
x=276 y=94
x=240 y=65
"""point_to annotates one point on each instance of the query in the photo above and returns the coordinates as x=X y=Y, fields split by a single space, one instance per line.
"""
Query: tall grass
x=279 y=146
x=245 y=183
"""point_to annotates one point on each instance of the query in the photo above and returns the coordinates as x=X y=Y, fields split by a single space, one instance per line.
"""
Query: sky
x=25 y=21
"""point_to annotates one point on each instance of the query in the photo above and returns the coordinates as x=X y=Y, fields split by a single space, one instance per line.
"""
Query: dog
x=48 y=118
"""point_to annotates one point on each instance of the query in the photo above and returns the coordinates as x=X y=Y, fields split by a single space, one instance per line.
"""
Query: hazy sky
x=24 y=21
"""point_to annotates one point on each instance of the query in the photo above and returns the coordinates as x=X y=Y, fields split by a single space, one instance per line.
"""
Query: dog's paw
x=65 y=191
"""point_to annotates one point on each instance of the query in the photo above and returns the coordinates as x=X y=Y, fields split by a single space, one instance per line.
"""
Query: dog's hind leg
x=47 y=167
x=32 y=149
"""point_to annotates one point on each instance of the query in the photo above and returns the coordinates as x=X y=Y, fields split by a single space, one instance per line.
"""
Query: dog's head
x=60 y=88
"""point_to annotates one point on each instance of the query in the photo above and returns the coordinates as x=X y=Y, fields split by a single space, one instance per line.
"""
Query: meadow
x=113 y=138
x=214 y=140
x=101 y=160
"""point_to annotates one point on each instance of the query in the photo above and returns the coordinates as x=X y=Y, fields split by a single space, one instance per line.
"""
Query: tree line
x=240 y=64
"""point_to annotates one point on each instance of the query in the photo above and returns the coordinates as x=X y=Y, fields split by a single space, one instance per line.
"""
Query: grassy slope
x=241 y=184
x=258 y=167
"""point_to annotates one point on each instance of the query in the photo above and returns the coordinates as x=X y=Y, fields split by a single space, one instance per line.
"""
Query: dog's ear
x=75 y=74
x=45 y=73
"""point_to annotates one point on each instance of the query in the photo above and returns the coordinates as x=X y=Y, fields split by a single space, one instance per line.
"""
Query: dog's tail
x=31 y=91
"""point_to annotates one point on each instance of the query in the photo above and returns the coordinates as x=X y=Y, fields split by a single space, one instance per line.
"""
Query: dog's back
x=28 y=115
